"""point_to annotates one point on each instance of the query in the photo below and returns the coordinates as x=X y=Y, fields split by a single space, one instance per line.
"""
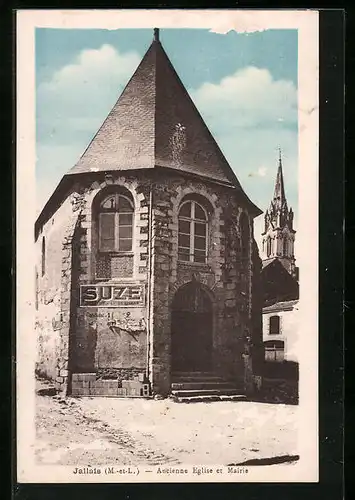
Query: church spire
x=279 y=235
x=279 y=199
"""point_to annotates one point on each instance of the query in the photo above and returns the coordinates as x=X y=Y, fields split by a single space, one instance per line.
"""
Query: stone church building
x=279 y=278
x=148 y=275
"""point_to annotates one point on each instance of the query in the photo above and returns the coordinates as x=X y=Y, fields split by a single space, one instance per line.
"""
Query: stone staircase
x=191 y=387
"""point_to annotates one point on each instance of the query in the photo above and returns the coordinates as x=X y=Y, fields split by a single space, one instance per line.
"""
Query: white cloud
x=251 y=115
x=262 y=171
x=79 y=94
x=72 y=105
x=92 y=69
x=249 y=98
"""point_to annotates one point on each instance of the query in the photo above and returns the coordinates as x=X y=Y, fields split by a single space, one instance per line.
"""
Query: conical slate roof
x=155 y=123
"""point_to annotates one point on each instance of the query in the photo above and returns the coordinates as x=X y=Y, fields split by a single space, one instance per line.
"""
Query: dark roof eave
x=284 y=305
x=61 y=191
x=56 y=198
x=236 y=186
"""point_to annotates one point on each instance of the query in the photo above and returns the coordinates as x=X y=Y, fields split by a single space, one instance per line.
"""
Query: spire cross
x=156 y=34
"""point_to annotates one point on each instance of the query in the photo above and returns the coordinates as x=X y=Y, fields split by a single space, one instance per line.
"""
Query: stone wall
x=53 y=293
x=110 y=341
x=257 y=304
x=226 y=275
x=103 y=339
x=123 y=343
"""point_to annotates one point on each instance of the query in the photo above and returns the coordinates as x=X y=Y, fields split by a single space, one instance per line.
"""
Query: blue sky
x=244 y=85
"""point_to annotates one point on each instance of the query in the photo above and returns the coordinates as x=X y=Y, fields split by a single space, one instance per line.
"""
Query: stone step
x=192 y=374
x=209 y=398
x=201 y=384
x=184 y=372
x=206 y=392
x=199 y=381
x=195 y=377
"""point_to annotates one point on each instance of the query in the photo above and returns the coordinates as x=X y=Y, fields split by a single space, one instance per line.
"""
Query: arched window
x=274 y=325
x=115 y=223
x=268 y=246
x=43 y=263
x=192 y=232
x=245 y=235
x=274 y=350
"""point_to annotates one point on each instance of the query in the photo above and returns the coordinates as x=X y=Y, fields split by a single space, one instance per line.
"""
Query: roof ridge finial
x=280 y=156
x=156 y=34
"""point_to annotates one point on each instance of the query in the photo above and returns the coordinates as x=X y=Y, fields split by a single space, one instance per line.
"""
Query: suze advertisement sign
x=112 y=295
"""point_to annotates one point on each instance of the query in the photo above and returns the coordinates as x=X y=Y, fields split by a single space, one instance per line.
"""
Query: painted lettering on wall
x=112 y=295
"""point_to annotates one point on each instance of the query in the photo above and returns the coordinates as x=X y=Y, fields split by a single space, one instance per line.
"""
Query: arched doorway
x=191 y=329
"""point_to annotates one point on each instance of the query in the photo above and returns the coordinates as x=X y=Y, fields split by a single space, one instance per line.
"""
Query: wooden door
x=191 y=330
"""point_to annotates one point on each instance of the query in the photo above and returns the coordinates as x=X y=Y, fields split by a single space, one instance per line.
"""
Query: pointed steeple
x=279 y=235
x=279 y=198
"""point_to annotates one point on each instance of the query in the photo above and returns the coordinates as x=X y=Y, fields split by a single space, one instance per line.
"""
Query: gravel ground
x=94 y=431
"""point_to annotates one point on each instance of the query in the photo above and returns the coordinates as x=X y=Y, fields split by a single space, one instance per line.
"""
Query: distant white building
x=280 y=329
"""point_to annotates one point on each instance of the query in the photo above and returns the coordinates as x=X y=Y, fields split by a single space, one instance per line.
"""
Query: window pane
x=125 y=219
x=109 y=203
x=107 y=232
x=199 y=212
x=185 y=210
x=199 y=257
x=184 y=240
x=184 y=226
x=279 y=355
x=200 y=243
x=274 y=325
x=200 y=229
x=125 y=232
x=269 y=355
x=279 y=344
x=184 y=256
x=107 y=245
x=124 y=205
x=125 y=245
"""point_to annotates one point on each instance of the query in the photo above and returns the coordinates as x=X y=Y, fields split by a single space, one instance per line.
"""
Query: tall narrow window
x=268 y=246
x=43 y=263
x=274 y=350
x=274 y=325
x=192 y=232
x=285 y=247
x=245 y=235
x=115 y=224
